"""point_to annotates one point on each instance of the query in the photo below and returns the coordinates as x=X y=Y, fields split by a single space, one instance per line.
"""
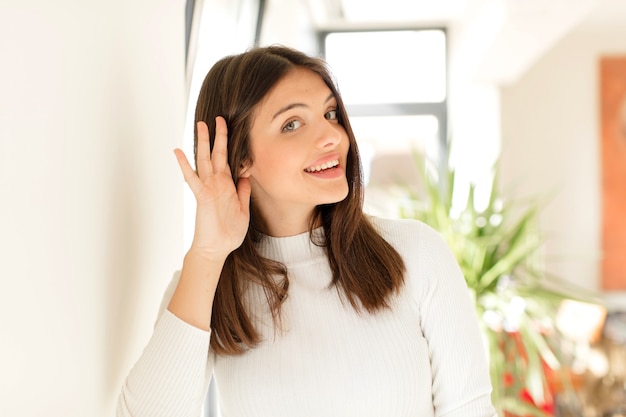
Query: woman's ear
x=244 y=169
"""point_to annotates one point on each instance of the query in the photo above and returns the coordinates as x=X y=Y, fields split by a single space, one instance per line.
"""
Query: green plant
x=498 y=250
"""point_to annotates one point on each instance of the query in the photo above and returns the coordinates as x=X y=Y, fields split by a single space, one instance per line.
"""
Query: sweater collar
x=293 y=249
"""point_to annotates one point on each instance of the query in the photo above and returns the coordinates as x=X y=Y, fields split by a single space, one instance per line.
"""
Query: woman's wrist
x=192 y=300
x=201 y=256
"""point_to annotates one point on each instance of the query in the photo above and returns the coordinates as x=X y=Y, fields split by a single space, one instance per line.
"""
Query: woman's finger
x=188 y=172
x=219 y=156
x=203 y=158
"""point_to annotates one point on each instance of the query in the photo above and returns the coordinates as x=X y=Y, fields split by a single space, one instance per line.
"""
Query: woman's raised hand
x=223 y=210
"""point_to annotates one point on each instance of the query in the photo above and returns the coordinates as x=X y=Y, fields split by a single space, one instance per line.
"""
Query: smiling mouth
x=323 y=167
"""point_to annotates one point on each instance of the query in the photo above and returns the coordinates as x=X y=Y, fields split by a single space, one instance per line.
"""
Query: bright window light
x=403 y=66
x=387 y=144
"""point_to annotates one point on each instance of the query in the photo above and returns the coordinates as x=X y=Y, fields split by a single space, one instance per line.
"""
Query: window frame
x=437 y=109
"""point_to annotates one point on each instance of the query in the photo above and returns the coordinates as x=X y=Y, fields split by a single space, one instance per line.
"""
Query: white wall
x=550 y=140
x=91 y=106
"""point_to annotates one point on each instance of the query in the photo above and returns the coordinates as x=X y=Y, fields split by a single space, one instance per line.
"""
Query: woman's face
x=298 y=151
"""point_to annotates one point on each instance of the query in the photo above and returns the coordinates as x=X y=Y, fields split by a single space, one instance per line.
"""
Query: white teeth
x=321 y=167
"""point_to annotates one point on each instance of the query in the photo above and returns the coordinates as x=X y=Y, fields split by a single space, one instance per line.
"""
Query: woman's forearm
x=192 y=300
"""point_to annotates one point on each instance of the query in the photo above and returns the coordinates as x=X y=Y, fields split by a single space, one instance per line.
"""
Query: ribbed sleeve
x=171 y=377
x=461 y=384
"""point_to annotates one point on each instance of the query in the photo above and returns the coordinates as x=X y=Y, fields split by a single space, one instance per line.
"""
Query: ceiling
x=491 y=40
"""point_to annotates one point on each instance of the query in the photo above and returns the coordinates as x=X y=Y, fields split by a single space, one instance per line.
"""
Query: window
x=394 y=85
x=402 y=66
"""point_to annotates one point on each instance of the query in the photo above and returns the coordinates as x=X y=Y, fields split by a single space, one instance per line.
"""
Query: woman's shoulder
x=425 y=252
x=403 y=233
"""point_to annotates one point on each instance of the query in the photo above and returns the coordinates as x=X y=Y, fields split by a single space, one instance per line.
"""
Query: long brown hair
x=365 y=268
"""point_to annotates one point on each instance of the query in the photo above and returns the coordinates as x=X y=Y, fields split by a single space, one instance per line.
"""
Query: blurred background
x=95 y=95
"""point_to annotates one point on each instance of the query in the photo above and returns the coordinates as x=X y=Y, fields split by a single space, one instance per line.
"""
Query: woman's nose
x=329 y=135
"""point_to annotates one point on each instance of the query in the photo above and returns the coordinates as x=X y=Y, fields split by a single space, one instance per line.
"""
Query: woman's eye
x=292 y=125
x=331 y=115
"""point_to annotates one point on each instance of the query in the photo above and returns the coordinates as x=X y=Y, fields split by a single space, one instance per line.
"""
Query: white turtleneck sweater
x=424 y=357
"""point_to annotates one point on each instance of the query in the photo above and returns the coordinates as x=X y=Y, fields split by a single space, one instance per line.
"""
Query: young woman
x=298 y=302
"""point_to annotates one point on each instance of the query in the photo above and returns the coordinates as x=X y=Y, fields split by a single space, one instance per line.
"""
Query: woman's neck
x=277 y=223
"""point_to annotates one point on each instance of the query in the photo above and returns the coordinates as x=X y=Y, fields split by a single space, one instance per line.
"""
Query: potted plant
x=498 y=250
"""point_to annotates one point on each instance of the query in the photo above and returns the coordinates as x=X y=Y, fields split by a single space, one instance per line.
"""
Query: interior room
x=96 y=217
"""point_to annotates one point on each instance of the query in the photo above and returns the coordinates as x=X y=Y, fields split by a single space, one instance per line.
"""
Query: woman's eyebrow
x=294 y=105
x=288 y=107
